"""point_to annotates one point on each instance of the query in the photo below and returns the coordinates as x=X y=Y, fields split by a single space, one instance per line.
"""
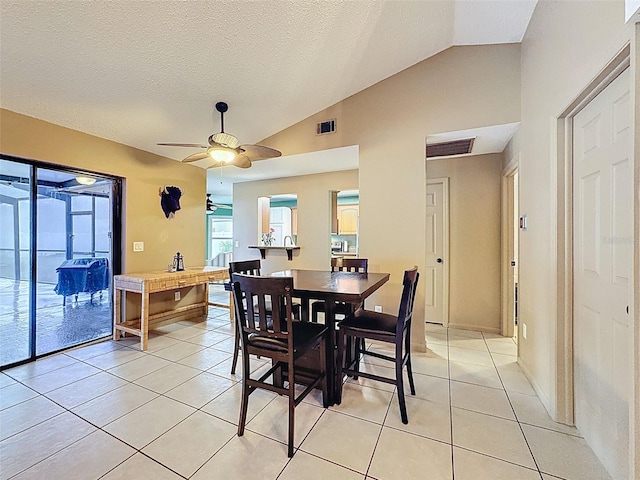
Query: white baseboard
x=477 y=328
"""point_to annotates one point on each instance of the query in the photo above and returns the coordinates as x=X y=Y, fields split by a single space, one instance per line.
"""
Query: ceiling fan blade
x=195 y=157
x=241 y=160
x=259 y=152
x=194 y=145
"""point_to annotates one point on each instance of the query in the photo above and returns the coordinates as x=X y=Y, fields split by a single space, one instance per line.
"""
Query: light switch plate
x=138 y=246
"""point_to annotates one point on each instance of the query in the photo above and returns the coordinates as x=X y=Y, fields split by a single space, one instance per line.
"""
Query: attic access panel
x=450 y=148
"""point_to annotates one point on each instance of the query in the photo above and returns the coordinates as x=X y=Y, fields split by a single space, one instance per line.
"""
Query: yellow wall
x=144 y=174
x=460 y=88
x=474 y=239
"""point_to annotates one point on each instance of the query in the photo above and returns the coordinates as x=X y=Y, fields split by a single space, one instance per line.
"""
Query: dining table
x=332 y=287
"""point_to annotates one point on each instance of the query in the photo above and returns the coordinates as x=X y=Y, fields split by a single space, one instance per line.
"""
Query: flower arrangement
x=268 y=238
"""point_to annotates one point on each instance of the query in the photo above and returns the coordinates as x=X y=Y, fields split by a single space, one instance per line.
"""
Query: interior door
x=510 y=269
x=437 y=262
x=602 y=267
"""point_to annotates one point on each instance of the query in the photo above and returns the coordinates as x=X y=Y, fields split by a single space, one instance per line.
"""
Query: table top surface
x=162 y=274
x=340 y=286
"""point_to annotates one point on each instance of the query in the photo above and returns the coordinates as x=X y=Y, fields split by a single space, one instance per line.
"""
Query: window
x=220 y=240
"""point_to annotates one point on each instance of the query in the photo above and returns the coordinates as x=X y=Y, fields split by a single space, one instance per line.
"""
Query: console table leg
x=117 y=313
x=144 y=321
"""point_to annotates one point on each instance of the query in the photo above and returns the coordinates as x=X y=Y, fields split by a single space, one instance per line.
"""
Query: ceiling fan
x=212 y=207
x=225 y=149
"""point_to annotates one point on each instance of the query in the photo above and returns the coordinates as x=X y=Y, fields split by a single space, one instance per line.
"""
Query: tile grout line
x=514 y=411
x=139 y=450
x=98 y=428
x=375 y=446
x=453 y=469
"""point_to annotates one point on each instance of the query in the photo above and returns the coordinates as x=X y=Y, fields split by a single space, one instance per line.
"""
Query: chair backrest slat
x=253 y=316
x=405 y=314
x=340 y=264
x=249 y=267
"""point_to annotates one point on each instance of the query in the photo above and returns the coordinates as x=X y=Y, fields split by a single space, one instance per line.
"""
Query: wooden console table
x=147 y=284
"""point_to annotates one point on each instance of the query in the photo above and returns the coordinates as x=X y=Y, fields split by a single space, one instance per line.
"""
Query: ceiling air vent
x=452 y=147
x=324 y=128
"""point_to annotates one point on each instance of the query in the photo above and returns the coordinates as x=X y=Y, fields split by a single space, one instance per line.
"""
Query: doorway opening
x=510 y=242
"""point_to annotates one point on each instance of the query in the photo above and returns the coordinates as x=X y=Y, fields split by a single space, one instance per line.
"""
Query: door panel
x=16 y=229
x=436 y=240
x=602 y=259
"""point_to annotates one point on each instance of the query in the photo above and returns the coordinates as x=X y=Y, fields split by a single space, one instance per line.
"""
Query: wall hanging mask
x=170 y=200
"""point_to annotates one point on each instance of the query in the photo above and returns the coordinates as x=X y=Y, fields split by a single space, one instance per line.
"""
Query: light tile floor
x=109 y=411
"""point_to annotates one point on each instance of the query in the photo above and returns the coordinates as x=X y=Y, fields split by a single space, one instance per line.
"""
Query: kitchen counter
x=263 y=250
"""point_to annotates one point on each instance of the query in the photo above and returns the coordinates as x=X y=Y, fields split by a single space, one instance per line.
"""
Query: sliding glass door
x=16 y=336
x=56 y=261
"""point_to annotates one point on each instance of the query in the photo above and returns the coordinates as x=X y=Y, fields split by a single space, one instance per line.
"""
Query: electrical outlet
x=378 y=308
x=176 y=295
x=138 y=246
x=524 y=331
x=237 y=243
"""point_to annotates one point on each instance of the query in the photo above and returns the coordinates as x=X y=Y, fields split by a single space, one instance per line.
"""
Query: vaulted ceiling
x=142 y=72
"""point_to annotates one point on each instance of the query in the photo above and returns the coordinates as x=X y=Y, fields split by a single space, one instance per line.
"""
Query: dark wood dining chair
x=277 y=336
x=387 y=328
x=249 y=267
x=341 y=265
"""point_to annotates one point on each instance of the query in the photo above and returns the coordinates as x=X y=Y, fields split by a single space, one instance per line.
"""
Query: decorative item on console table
x=178 y=262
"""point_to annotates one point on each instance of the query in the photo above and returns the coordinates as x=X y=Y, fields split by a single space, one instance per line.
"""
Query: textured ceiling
x=142 y=72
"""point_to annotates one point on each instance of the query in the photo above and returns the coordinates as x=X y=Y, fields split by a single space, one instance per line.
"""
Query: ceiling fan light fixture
x=222 y=155
x=85 y=180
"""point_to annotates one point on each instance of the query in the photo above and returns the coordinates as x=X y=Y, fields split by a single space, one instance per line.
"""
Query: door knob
x=439 y=260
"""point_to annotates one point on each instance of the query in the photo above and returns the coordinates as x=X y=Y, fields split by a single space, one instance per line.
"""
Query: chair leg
x=410 y=375
x=292 y=406
x=339 y=373
x=358 y=352
x=407 y=349
x=323 y=371
x=363 y=344
x=236 y=349
x=400 y=387
x=245 y=394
